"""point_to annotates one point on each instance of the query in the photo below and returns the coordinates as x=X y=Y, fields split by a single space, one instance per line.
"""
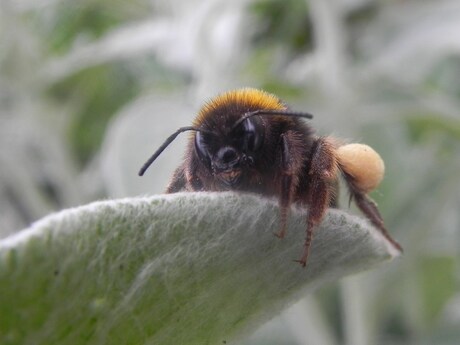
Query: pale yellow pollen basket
x=363 y=164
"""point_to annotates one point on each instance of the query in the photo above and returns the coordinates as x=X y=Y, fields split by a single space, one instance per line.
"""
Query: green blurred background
x=89 y=89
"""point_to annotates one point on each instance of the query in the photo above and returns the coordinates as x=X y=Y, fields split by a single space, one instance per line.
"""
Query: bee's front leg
x=322 y=177
x=290 y=168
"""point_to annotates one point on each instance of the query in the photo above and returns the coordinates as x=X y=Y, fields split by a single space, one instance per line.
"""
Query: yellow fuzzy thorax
x=247 y=97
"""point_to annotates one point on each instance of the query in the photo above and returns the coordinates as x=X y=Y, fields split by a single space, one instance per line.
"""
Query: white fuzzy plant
x=187 y=268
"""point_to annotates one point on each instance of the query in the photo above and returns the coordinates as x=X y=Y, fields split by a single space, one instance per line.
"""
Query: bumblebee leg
x=334 y=201
x=287 y=186
x=322 y=178
x=177 y=182
x=184 y=178
x=370 y=210
x=285 y=203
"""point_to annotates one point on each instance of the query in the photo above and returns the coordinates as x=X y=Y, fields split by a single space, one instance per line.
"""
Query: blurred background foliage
x=88 y=89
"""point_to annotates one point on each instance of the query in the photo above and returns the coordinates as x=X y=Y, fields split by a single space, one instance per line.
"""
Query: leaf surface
x=186 y=268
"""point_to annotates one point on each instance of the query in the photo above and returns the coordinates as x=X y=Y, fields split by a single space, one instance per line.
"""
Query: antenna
x=163 y=146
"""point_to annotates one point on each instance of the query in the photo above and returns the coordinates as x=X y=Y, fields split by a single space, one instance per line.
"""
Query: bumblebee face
x=229 y=152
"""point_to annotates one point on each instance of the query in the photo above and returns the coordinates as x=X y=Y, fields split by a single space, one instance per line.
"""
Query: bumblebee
x=249 y=140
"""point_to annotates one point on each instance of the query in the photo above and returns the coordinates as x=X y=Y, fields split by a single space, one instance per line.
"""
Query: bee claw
x=303 y=263
x=396 y=245
x=279 y=234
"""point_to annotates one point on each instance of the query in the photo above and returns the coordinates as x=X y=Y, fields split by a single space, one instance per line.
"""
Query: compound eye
x=202 y=146
x=252 y=134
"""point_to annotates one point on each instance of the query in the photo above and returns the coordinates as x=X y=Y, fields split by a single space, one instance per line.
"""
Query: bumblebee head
x=230 y=131
x=228 y=150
